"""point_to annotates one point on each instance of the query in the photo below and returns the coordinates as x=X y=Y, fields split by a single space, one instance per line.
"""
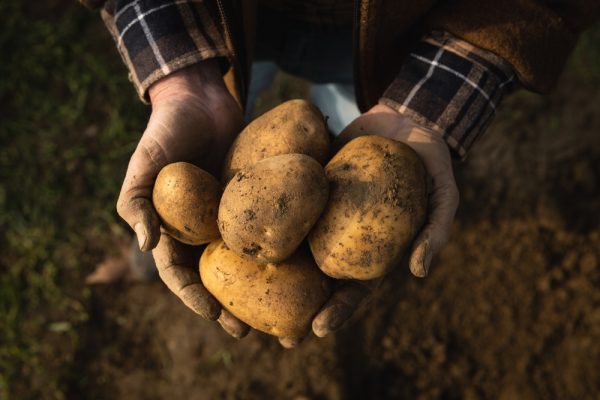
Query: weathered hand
x=443 y=202
x=347 y=297
x=177 y=266
x=194 y=119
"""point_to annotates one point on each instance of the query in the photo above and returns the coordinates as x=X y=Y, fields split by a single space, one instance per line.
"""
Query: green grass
x=585 y=60
x=69 y=119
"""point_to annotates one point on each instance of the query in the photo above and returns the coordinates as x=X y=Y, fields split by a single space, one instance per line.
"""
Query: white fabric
x=336 y=101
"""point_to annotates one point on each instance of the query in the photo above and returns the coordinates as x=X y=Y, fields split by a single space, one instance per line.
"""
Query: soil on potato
x=511 y=309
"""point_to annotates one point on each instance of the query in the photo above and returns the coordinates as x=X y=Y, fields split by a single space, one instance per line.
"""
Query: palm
x=443 y=201
x=186 y=129
x=194 y=119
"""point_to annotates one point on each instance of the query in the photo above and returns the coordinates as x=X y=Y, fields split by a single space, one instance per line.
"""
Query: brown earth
x=511 y=309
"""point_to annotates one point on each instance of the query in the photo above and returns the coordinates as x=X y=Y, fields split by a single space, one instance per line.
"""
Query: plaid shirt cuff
x=451 y=87
x=157 y=37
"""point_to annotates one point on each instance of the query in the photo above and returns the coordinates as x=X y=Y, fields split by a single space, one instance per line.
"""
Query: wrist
x=383 y=109
x=202 y=81
x=403 y=128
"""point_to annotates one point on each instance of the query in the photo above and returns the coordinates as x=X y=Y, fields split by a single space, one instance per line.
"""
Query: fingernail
x=417 y=266
x=419 y=263
x=419 y=271
x=320 y=330
x=141 y=235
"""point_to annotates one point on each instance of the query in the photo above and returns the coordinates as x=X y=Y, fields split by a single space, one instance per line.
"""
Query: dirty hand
x=347 y=297
x=194 y=119
x=443 y=202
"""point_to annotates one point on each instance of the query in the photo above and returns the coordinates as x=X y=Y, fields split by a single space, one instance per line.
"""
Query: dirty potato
x=268 y=208
x=376 y=206
x=186 y=199
x=279 y=299
x=295 y=126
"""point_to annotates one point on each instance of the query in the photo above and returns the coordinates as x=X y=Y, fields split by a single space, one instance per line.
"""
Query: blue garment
x=320 y=56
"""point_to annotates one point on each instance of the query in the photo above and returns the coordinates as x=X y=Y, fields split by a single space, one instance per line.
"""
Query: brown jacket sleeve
x=534 y=36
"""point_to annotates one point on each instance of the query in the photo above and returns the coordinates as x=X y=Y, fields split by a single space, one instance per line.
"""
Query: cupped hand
x=443 y=202
x=177 y=265
x=434 y=153
x=194 y=119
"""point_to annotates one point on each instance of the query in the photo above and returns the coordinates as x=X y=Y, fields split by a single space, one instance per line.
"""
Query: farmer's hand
x=194 y=119
x=434 y=153
x=347 y=297
x=443 y=202
x=177 y=265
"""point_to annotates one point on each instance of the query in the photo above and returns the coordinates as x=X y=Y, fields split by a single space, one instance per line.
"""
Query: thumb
x=135 y=200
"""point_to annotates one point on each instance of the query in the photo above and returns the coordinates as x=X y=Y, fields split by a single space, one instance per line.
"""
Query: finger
x=290 y=343
x=135 y=199
x=177 y=267
x=443 y=203
x=343 y=303
x=233 y=326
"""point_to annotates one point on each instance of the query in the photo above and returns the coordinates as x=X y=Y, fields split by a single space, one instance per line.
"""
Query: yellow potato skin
x=377 y=204
x=278 y=299
x=268 y=208
x=186 y=199
x=295 y=126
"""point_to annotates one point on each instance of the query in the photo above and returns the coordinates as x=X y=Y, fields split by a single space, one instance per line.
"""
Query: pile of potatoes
x=289 y=221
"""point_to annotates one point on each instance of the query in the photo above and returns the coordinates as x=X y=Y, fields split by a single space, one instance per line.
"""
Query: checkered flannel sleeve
x=450 y=87
x=158 y=37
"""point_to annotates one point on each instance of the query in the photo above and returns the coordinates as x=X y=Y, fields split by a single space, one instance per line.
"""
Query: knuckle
x=168 y=274
x=122 y=207
x=191 y=290
x=154 y=152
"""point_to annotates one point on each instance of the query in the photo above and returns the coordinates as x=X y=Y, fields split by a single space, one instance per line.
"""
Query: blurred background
x=511 y=308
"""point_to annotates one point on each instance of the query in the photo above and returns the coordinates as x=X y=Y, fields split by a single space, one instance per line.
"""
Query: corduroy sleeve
x=534 y=36
x=158 y=37
x=451 y=87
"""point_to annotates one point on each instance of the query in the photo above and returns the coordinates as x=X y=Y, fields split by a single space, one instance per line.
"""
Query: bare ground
x=510 y=310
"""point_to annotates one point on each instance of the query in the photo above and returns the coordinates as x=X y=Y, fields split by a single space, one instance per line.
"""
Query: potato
x=268 y=208
x=376 y=206
x=186 y=199
x=295 y=126
x=279 y=299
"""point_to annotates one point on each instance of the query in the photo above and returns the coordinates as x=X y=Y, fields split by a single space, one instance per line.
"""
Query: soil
x=510 y=310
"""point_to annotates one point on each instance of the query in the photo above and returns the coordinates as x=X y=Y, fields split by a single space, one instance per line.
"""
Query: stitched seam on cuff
x=426 y=123
x=179 y=63
x=155 y=40
x=450 y=87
